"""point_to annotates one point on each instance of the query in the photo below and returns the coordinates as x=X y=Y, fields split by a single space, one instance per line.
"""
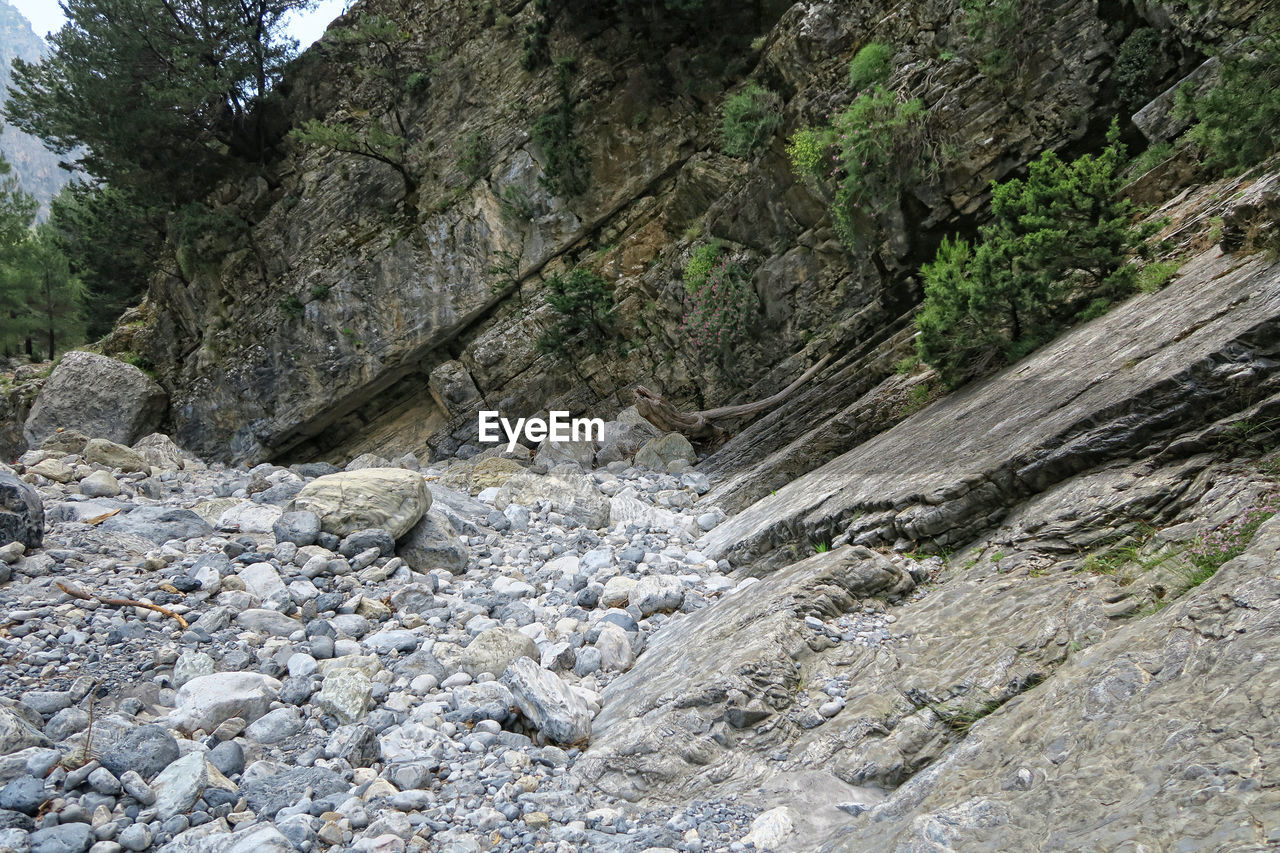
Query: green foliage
x=810 y=152
x=567 y=172
x=1149 y=159
x=584 y=302
x=474 y=157
x=748 y=120
x=1238 y=120
x=701 y=261
x=992 y=28
x=1137 y=68
x=1057 y=243
x=515 y=205
x=537 y=49
x=870 y=65
x=292 y=306
x=1154 y=276
x=320 y=292
x=156 y=98
x=1228 y=541
x=41 y=302
x=375 y=49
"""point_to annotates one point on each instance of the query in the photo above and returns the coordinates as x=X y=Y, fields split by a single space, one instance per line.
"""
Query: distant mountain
x=35 y=165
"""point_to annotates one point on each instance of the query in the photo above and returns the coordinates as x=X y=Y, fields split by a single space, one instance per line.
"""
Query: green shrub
x=474 y=157
x=1238 y=120
x=1149 y=159
x=567 y=171
x=1154 y=276
x=748 y=120
x=292 y=306
x=584 y=302
x=1057 y=245
x=1137 y=68
x=700 y=263
x=320 y=292
x=810 y=152
x=993 y=28
x=515 y=204
x=871 y=65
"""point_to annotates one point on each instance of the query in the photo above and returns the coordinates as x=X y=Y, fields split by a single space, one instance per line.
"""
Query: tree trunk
x=698 y=425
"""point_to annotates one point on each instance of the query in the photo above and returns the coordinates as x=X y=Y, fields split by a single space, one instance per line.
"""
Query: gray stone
x=183 y=782
x=299 y=527
x=64 y=838
x=100 y=451
x=135 y=836
x=263 y=581
x=102 y=781
x=659 y=452
x=273 y=790
x=398 y=640
x=191 y=665
x=493 y=651
x=567 y=491
x=21 y=513
x=414 y=598
x=135 y=786
x=363 y=540
x=65 y=442
x=204 y=702
x=275 y=726
x=228 y=757
x=357 y=744
x=100 y=484
x=581 y=453
x=66 y=723
x=488 y=700
x=25 y=794
x=433 y=543
x=98 y=396
x=159 y=523
x=160 y=451
x=19 y=729
x=46 y=702
x=547 y=702
x=345 y=694
x=624 y=436
x=146 y=750
x=270 y=622
x=657 y=594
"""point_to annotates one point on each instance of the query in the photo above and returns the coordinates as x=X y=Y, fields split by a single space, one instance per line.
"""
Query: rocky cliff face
x=35 y=166
x=330 y=318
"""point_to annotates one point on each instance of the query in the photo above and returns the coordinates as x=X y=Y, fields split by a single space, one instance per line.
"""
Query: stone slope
x=1157 y=367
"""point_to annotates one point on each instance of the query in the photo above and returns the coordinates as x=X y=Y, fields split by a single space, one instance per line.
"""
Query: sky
x=46 y=16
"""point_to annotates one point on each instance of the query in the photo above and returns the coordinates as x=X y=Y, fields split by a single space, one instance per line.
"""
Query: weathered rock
x=184 y=781
x=491 y=651
x=64 y=838
x=65 y=441
x=568 y=492
x=191 y=665
x=21 y=513
x=491 y=472
x=659 y=452
x=158 y=523
x=657 y=594
x=53 y=469
x=98 y=396
x=249 y=517
x=433 y=543
x=145 y=750
x=299 y=527
x=271 y=788
x=624 y=436
x=100 y=451
x=389 y=498
x=100 y=484
x=547 y=702
x=205 y=701
x=345 y=694
x=581 y=453
x=270 y=622
x=627 y=510
x=19 y=729
x=160 y=451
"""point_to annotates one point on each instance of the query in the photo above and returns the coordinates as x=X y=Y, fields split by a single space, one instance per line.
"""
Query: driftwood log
x=700 y=426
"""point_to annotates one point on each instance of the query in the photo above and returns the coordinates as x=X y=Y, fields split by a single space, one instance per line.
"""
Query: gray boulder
x=624 y=436
x=547 y=702
x=100 y=397
x=568 y=491
x=159 y=523
x=389 y=498
x=299 y=527
x=159 y=451
x=658 y=452
x=433 y=543
x=21 y=513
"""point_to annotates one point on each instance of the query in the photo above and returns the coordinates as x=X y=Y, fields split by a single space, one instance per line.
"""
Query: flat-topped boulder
x=392 y=499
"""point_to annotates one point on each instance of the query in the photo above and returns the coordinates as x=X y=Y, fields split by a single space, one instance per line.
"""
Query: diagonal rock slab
x=1158 y=367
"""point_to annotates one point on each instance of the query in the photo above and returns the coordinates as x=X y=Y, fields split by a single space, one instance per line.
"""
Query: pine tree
x=1058 y=241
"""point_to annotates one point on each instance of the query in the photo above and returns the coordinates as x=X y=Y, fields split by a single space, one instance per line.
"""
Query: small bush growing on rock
x=871 y=65
x=474 y=157
x=700 y=263
x=567 y=171
x=584 y=302
x=993 y=28
x=748 y=120
x=1057 y=244
x=1238 y=121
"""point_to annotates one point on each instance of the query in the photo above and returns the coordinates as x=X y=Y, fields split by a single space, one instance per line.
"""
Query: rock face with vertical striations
x=21 y=513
